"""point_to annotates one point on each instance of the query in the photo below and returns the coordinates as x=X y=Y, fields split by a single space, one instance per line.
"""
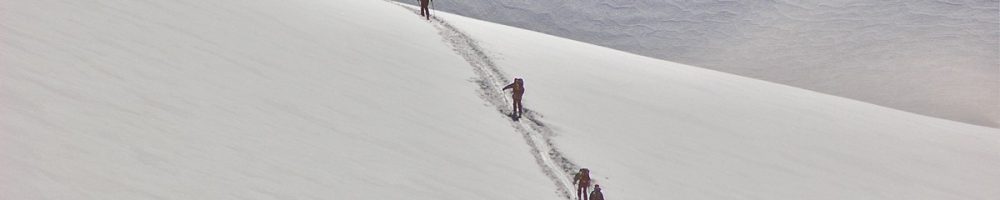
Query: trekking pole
x=506 y=103
x=432 y=8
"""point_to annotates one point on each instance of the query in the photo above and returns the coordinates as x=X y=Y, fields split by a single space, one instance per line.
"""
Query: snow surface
x=361 y=99
x=932 y=57
x=245 y=100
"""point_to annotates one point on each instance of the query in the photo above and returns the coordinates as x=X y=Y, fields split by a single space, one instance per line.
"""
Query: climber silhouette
x=423 y=9
x=518 y=88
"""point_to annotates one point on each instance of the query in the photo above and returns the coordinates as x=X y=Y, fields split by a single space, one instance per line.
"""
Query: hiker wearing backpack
x=582 y=181
x=518 y=88
x=596 y=194
x=423 y=9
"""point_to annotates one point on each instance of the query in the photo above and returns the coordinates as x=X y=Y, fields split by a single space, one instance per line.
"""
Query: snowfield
x=937 y=58
x=362 y=99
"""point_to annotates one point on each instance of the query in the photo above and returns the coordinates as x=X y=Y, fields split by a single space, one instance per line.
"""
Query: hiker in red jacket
x=518 y=89
x=582 y=181
x=423 y=9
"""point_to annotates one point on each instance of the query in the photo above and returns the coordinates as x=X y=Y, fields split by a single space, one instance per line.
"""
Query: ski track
x=490 y=80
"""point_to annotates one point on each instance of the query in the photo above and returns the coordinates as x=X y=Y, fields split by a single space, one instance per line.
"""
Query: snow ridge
x=490 y=80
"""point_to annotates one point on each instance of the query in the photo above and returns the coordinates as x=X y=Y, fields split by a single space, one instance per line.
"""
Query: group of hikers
x=582 y=181
x=582 y=178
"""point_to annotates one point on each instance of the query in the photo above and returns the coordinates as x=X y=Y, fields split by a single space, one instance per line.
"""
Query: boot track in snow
x=490 y=80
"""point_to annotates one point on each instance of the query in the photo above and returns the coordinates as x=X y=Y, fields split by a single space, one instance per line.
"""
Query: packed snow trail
x=490 y=80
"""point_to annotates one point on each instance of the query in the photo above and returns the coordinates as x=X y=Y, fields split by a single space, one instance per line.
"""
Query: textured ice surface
x=933 y=57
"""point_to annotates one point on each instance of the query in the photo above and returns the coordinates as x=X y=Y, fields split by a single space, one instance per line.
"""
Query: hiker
x=423 y=9
x=596 y=194
x=518 y=89
x=582 y=181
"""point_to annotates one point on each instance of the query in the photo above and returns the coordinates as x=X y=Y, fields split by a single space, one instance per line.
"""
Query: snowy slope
x=362 y=100
x=244 y=100
x=937 y=58
x=651 y=129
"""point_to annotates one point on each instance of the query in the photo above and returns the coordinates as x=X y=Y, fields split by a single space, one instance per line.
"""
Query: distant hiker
x=596 y=194
x=423 y=9
x=518 y=89
x=582 y=181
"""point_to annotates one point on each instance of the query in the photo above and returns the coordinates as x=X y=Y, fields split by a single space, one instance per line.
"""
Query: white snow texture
x=934 y=57
x=362 y=99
